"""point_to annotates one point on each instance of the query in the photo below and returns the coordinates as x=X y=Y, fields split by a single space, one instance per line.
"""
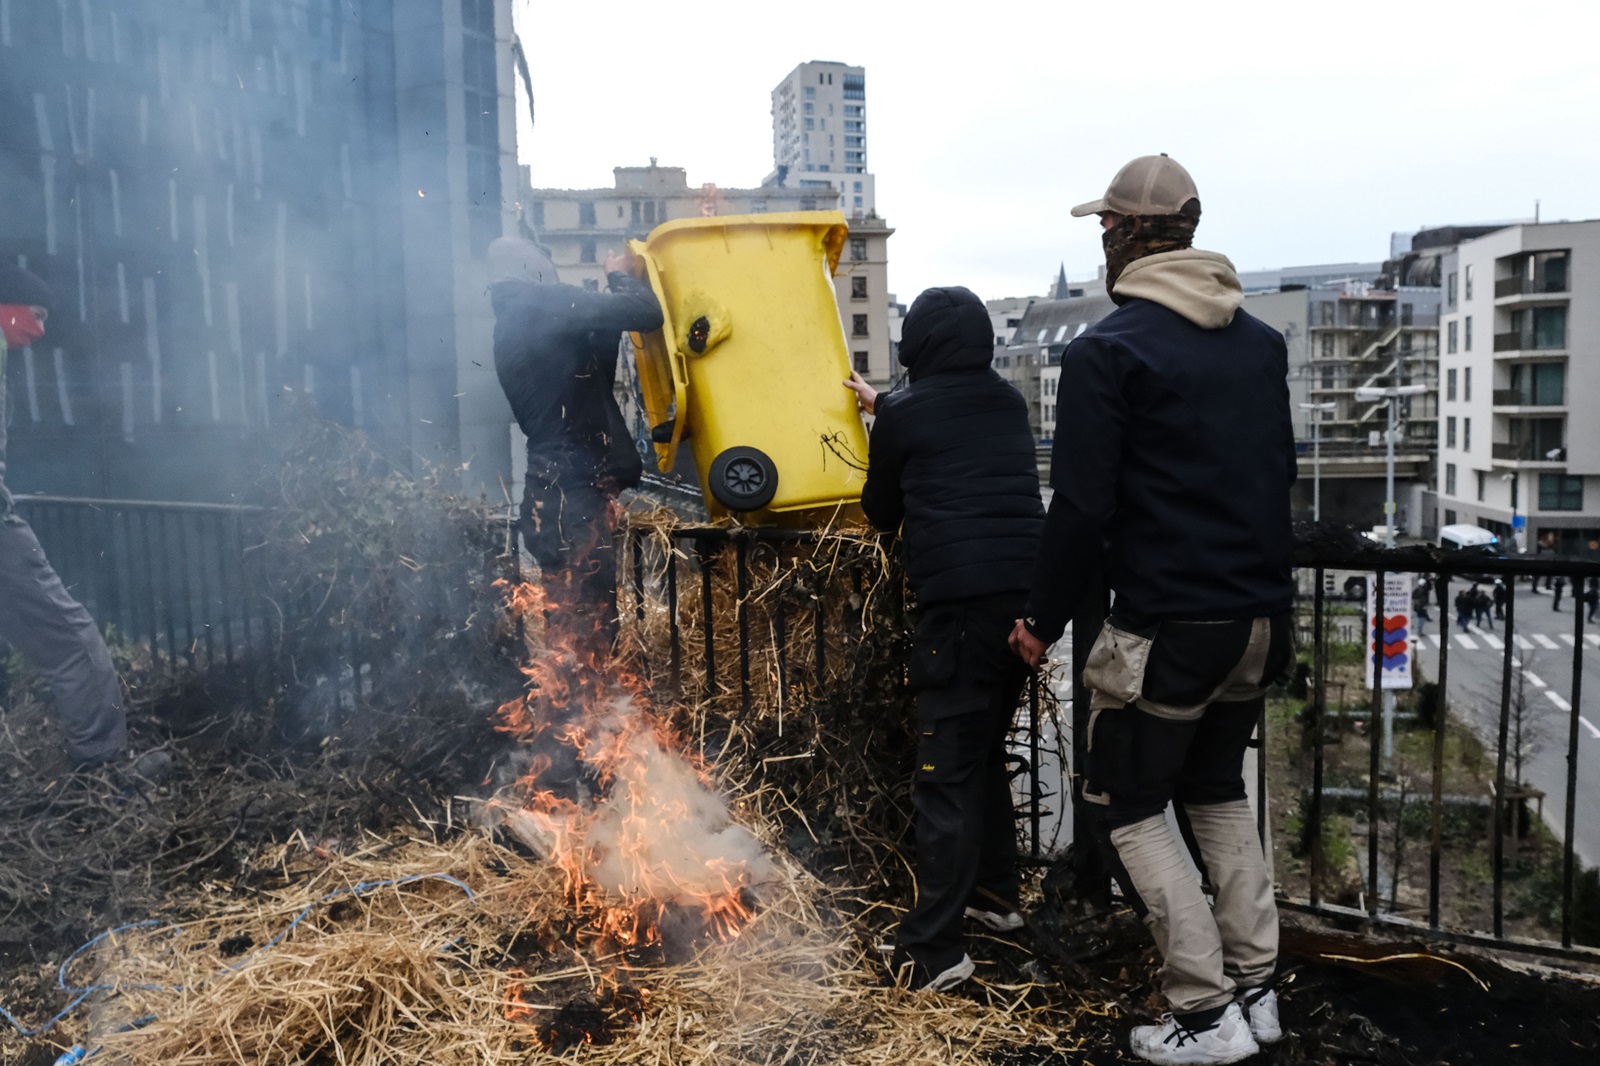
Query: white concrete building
x=819 y=134
x=1519 y=339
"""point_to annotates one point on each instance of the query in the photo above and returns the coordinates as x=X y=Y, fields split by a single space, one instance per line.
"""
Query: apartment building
x=819 y=134
x=1520 y=332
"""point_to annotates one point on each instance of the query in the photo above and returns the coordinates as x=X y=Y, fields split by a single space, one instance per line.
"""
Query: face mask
x=20 y=325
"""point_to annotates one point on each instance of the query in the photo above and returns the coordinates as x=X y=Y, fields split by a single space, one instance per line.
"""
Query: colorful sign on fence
x=1393 y=632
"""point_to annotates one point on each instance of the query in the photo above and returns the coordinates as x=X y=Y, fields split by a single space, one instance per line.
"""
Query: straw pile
x=421 y=973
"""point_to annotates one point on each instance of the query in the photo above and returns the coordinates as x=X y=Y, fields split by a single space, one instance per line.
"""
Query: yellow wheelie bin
x=749 y=365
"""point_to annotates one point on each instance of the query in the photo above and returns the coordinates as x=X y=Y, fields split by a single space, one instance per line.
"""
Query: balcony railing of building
x=1529 y=340
x=1527 y=452
x=1530 y=398
x=1546 y=285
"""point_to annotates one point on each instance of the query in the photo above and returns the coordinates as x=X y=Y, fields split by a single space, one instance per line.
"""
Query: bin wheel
x=743 y=479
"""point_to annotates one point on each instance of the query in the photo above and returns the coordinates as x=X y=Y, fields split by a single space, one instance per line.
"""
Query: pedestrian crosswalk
x=1477 y=638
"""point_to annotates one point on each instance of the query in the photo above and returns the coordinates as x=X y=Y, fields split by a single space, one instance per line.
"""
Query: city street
x=1543 y=646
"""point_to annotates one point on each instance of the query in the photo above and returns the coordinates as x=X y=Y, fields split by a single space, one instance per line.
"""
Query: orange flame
x=634 y=826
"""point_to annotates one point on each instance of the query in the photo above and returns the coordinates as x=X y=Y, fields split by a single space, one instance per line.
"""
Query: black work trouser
x=566 y=527
x=968 y=683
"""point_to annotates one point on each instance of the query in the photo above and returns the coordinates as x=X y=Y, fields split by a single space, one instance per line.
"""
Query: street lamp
x=1369 y=394
x=1316 y=455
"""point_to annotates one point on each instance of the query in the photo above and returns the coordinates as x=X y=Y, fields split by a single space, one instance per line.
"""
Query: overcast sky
x=1312 y=131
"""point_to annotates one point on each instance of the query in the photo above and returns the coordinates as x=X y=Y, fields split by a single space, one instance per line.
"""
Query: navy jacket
x=1172 y=463
x=952 y=458
x=555 y=352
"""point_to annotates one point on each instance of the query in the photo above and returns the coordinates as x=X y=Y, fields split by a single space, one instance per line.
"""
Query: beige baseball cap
x=1150 y=185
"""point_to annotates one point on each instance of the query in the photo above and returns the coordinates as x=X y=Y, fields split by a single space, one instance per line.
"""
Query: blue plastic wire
x=83 y=992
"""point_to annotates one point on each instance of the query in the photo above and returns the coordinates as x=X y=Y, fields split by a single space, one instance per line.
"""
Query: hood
x=520 y=258
x=1200 y=286
x=946 y=329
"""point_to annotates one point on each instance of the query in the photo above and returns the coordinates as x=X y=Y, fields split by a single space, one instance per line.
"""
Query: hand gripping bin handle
x=749 y=365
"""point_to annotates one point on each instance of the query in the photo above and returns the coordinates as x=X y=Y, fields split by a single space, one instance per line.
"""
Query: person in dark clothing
x=555 y=353
x=1464 y=604
x=1481 y=605
x=1173 y=461
x=1419 y=607
x=1499 y=596
x=1591 y=598
x=952 y=465
x=1559 y=586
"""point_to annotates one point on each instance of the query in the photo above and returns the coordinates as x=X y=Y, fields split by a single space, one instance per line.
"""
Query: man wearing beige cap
x=1173 y=459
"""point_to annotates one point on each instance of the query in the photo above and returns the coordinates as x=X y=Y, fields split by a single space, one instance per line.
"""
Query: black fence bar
x=674 y=634
x=1372 y=628
x=1570 y=814
x=1319 y=699
x=638 y=539
x=1498 y=846
x=1441 y=719
x=741 y=581
x=708 y=622
x=1035 y=785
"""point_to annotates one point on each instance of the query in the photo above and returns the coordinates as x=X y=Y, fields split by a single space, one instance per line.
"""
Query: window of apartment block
x=1405 y=314
x=808 y=108
x=586 y=213
x=1466 y=335
x=1449 y=479
x=1560 y=492
x=1466 y=289
x=858 y=288
x=858 y=248
x=859 y=361
x=1483 y=478
x=1466 y=380
x=1450 y=385
x=1450 y=337
x=1450 y=290
x=1449 y=516
x=1325 y=312
x=586 y=251
x=1450 y=432
x=1327 y=346
x=858 y=325
x=1466 y=434
x=809 y=93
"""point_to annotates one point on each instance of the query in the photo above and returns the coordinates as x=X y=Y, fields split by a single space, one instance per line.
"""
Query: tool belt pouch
x=1114 y=671
x=936 y=648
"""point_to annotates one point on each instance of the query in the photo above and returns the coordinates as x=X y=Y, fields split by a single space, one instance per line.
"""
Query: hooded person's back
x=953 y=457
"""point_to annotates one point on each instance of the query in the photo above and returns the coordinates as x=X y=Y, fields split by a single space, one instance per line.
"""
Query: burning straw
x=422 y=972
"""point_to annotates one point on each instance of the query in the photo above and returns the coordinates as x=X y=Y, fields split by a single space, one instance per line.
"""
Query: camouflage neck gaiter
x=1137 y=236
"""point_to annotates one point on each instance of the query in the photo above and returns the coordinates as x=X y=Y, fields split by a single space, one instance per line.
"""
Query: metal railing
x=1527 y=452
x=1535 y=286
x=1376 y=799
x=785 y=615
x=179 y=578
x=187 y=581
x=1528 y=398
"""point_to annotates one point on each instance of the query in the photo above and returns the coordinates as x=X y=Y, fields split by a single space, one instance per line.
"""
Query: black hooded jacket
x=555 y=352
x=953 y=458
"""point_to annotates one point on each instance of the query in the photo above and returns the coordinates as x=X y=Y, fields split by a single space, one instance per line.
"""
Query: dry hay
x=817 y=735
x=421 y=973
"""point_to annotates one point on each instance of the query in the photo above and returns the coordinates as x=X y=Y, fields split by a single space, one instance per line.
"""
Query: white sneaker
x=1172 y=1042
x=1260 y=1007
x=947 y=979
x=1000 y=922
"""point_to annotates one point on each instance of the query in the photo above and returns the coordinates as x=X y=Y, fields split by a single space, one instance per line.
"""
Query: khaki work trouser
x=1173 y=711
